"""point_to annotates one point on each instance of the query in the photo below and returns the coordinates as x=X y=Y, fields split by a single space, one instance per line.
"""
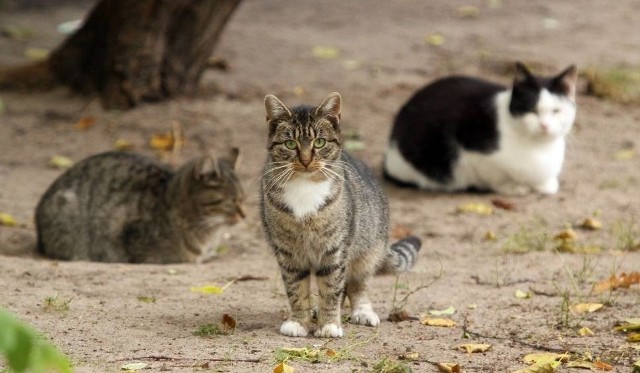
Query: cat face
x=544 y=107
x=215 y=189
x=304 y=141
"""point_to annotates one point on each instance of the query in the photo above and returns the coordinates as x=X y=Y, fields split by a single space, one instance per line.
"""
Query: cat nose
x=305 y=162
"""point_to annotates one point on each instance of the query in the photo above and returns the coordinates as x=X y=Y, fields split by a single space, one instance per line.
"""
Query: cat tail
x=401 y=255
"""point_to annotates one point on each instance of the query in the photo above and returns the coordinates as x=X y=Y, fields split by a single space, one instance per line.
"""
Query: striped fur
x=325 y=217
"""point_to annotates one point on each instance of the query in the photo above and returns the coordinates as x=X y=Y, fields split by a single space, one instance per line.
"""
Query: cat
x=325 y=216
x=461 y=133
x=123 y=207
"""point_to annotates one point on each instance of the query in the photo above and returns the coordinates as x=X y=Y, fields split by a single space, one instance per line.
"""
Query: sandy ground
x=383 y=59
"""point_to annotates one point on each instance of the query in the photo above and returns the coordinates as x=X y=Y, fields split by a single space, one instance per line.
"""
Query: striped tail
x=402 y=255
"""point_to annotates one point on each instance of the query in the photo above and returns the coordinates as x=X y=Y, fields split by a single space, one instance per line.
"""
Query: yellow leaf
x=283 y=368
x=448 y=367
x=545 y=357
x=476 y=208
x=207 y=289
x=325 y=52
x=581 y=308
x=85 y=123
x=438 y=322
x=447 y=311
x=540 y=368
x=36 y=54
x=411 y=356
x=122 y=144
x=60 y=161
x=7 y=220
x=330 y=352
x=474 y=347
x=162 y=141
x=591 y=224
x=585 y=332
x=468 y=11
x=624 y=155
x=522 y=294
x=435 y=39
x=567 y=235
x=134 y=366
x=490 y=236
x=633 y=337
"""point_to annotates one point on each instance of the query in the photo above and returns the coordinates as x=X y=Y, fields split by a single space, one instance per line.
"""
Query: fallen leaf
x=566 y=235
x=468 y=11
x=545 y=357
x=299 y=91
x=211 y=289
x=283 y=368
x=60 y=162
x=331 y=352
x=7 y=220
x=474 y=347
x=523 y=294
x=581 y=308
x=490 y=236
x=162 y=141
x=445 y=312
x=613 y=283
x=134 y=366
x=146 y=299
x=228 y=322
x=629 y=326
x=411 y=356
x=400 y=315
x=172 y=271
x=400 y=231
x=448 y=367
x=447 y=323
x=325 y=52
x=476 y=208
x=624 y=155
x=122 y=144
x=354 y=145
x=585 y=332
x=36 y=54
x=539 y=368
x=85 y=123
x=591 y=224
x=633 y=337
x=503 y=204
x=435 y=39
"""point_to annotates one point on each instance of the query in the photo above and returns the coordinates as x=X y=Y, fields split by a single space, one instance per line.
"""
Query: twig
x=171 y=358
x=476 y=278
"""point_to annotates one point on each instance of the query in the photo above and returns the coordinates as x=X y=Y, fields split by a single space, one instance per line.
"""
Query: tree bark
x=130 y=51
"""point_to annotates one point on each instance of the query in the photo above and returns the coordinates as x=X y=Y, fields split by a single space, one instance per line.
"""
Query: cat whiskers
x=281 y=178
x=342 y=165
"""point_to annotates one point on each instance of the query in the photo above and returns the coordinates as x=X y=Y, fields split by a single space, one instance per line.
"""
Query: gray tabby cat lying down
x=123 y=207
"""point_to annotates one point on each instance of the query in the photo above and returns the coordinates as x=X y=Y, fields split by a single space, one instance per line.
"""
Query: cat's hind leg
x=362 y=312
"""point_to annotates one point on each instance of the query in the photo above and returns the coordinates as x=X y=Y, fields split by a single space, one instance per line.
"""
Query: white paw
x=365 y=315
x=550 y=187
x=329 y=331
x=293 y=329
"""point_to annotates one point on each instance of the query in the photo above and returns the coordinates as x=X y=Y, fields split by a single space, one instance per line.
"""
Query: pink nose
x=305 y=162
x=544 y=127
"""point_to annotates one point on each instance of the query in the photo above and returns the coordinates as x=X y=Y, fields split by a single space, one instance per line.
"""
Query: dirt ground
x=385 y=53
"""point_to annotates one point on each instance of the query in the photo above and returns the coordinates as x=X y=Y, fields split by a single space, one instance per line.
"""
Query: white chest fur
x=304 y=197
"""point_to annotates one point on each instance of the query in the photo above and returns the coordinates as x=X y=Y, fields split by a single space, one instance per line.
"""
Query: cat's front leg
x=331 y=281
x=550 y=186
x=297 y=283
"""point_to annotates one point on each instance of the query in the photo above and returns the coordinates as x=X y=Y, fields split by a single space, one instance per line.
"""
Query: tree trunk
x=130 y=51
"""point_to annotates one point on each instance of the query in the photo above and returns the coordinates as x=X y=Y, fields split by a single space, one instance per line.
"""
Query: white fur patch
x=400 y=169
x=365 y=315
x=329 y=331
x=304 y=196
x=293 y=329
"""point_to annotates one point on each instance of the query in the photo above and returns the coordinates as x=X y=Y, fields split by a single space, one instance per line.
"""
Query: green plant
x=53 y=303
x=386 y=365
x=534 y=237
x=627 y=234
x=208 y=330
x=25 y=350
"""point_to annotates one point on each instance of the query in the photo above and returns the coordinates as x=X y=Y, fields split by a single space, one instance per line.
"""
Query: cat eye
x=319 y=143
x=290 y=144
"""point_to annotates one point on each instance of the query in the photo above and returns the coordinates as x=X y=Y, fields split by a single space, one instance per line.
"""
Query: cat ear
x=330 y=107
x=234 y=157
x=566 y=81
x=275 y=108
x=205 y=169
x=522 y=74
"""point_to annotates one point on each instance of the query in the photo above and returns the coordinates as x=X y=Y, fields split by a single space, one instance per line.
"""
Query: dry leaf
x=585 y=332
x=591 y=224
x=7 y=220
x=623 y=281
x=503 y=204
x=567 y=235
x=211 y=289
x=411 y=356
x=283 y=368
x=326 y=52
x=85 y=123
x=399 y=231
x=134 y=366
x=474 y=347
x=629 y=325
x=476 y=208
x=228 y=322
x=400 y=315
x=447 y=311
x=162 y=141
x=523 y=294
x=581 y=308
x=447 y=323
x=330 y=352
x=624 y=155
x=122 y=144
x=60 y=162
x=490 y=236
x=448 y=367
x=545 y=357
x=435 y=40
x=540 y=368
x=633 y=337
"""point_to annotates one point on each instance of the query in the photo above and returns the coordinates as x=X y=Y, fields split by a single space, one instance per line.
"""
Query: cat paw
x=329 y=331
x=550 y=187
x=365 y=315
x=293 y=329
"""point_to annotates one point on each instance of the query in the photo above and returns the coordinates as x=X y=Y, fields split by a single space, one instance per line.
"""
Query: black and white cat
x=460 y=132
